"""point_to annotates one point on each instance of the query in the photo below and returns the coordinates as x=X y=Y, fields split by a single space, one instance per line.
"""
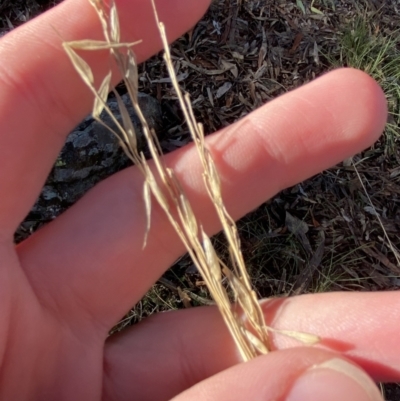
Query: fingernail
x=334 y=380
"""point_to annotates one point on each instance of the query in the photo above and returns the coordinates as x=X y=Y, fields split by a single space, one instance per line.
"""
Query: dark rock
x=90 y=154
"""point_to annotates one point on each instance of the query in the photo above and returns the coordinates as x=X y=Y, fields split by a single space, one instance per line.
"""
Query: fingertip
x=362 y=102
x=334 y=380
x=299 y=374
x=322 y=123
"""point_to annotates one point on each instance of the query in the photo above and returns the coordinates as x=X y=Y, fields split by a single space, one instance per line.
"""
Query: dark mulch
x=16 y=12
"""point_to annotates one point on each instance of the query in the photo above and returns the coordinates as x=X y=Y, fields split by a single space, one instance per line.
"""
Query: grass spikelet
x=244 y=316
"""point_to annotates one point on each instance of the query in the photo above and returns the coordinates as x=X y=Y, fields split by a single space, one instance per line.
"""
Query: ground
x=336 y=231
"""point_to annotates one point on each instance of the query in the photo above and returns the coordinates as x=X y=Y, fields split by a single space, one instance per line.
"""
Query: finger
x=182 y=348
x=42 y=97
x=361 y=326
x=284 y=142
x=297 y=375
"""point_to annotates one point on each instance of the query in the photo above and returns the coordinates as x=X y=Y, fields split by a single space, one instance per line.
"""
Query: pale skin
x=67 y=285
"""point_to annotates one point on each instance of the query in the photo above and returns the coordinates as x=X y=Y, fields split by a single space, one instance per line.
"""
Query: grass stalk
x=243 y=316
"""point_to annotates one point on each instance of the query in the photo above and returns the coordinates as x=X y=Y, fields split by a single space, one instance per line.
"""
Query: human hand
x=64 y=288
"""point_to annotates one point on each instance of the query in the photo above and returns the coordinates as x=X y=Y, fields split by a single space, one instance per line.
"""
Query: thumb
x=298 y=374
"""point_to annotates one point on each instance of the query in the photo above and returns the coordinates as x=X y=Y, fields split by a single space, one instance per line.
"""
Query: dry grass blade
x=98 y=45
x=80 y=65
x=244 y=317
x=386 y=236
x=127 y=123
x=239 y=280
x=100 y=101
x=114 y=24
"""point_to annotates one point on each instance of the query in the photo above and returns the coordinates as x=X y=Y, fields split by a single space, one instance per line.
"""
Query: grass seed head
x=244 y=317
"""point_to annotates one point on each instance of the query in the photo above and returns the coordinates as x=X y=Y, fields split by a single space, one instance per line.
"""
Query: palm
x=40 y=340
x=64 y=288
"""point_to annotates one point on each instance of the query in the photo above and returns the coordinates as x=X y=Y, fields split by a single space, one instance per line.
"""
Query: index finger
x=42 y=97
